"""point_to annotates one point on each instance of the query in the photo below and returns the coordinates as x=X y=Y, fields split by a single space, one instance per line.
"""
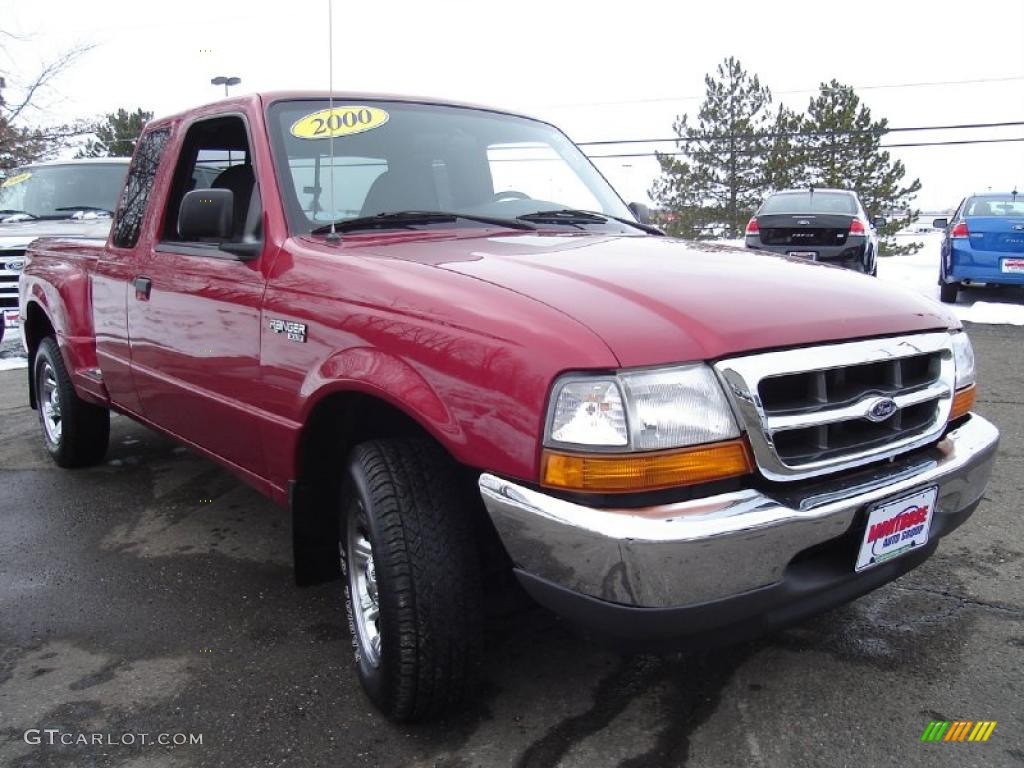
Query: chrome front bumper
x=718 y=547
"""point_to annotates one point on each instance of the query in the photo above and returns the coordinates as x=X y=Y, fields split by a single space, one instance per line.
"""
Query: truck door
x=113 y=274
x=194 y=308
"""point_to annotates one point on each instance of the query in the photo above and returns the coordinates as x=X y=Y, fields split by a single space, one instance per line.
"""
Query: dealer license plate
x=896 y=527
x=1013 y=265
x=812 y=255
x=11 y=318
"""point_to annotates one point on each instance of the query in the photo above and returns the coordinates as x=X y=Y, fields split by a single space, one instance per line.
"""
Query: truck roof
x=265 y=98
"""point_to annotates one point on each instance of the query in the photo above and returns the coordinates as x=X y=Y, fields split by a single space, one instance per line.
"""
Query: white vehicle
x=61 y=198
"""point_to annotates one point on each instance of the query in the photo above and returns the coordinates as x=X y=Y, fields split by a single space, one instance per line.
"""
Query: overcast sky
x=600 y=70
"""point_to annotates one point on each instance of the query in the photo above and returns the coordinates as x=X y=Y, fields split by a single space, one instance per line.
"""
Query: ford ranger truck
x=436 y=334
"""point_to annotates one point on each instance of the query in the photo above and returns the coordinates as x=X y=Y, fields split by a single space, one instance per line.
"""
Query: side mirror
x=642 y=212
x=879 y=221
x=206 y=214
x=940 y=223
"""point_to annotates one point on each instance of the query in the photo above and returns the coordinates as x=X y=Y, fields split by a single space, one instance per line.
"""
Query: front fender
x=387 y=377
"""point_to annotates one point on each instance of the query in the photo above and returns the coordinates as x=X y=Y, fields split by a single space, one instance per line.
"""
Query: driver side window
x=216 y=155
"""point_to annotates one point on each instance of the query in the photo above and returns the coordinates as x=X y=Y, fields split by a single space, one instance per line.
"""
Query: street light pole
x=226 y=82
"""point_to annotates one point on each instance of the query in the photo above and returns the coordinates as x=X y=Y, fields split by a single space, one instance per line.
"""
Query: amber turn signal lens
x=963 y=401
x=632 y=472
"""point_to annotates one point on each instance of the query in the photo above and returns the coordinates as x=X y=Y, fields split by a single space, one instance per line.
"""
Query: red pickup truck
x=437 y=334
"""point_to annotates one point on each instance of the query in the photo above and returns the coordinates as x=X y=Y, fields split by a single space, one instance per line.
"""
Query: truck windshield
x=810 y=202
x=392 y=157
x=61 y=191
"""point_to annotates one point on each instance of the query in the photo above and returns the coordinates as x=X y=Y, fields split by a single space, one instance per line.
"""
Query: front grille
x=9 y=277
x=803 y=236
x=821 y=409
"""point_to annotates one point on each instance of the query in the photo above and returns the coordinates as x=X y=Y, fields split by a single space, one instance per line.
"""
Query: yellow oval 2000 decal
x=340 y=121
x=16 y=179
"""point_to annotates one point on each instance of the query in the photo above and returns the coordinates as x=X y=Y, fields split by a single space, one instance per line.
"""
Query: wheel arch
x=343 y=415
x=36 y=326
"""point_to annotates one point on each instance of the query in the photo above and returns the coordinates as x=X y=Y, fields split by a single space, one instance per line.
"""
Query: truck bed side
x=56 y=292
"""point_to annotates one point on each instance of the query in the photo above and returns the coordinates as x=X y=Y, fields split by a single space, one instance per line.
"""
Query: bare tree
x=21 y=140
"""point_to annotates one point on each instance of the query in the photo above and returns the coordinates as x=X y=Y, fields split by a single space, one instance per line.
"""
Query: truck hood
x=658 y=300
x=20 y=234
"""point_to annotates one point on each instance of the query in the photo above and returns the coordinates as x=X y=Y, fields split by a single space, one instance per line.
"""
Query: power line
x=875 y=87
x=882 y=146
x=873 y=131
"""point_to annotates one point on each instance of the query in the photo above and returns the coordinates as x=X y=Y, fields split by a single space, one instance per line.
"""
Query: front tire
x=412 y=578
x=76 y=433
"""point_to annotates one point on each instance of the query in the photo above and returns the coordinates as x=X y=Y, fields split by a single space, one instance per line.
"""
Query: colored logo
x=881 y=409
x=958 y=730
x=340 y=121
x=905 y=525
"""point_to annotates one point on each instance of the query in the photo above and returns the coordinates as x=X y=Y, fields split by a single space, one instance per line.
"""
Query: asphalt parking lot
x=153 y=594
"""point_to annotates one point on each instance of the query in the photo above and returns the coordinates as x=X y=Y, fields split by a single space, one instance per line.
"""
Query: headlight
x=642 y=410
x=676 y=407
x=963 y=357
x=641 y=430
x=589 y=412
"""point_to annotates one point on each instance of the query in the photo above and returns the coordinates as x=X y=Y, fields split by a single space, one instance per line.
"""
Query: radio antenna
x=332 y=236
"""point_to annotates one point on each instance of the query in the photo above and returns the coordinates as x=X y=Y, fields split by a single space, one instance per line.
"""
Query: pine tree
x=682 y=212
x=719 y=181
x=841 y=148
x=117 y=134
x=785 y=156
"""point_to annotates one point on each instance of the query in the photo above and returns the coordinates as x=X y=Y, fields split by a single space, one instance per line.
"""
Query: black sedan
x=826 y=225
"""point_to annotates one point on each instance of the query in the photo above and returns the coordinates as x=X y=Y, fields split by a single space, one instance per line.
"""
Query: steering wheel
x=510 y=194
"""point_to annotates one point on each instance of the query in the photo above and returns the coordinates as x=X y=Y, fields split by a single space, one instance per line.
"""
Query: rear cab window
x=321 y=187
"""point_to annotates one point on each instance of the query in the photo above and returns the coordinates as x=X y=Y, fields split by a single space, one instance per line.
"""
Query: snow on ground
x=920 y=272
x=11 y=353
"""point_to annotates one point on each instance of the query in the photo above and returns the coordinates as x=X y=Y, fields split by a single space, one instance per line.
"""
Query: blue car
x=983 y=243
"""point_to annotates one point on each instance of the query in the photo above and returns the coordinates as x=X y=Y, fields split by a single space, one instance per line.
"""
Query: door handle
x=143 y=285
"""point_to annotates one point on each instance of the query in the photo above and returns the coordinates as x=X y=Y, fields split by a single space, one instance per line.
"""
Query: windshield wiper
x=565 y=216
x=576 y=217
x=84 y=208
x=15 y=212
x=409 y=219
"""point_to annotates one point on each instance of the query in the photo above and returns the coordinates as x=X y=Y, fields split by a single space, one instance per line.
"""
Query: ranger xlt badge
x=294 y=331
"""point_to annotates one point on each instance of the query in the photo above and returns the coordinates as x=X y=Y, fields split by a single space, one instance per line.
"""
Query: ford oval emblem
x=881 y=409
x=16 y=266
x=1018 y=227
